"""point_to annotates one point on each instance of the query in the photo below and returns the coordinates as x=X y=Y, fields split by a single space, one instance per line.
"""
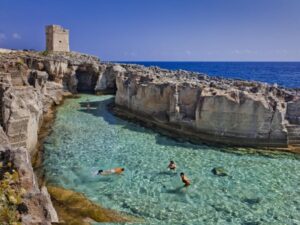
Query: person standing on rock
x=185 y=180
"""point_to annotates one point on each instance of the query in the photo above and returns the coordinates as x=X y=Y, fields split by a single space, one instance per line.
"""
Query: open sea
x=285 y=74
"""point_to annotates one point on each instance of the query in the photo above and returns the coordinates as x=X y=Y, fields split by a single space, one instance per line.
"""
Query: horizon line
x=208 y=61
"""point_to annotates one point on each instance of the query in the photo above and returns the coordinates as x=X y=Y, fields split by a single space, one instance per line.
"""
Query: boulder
x=219 y=171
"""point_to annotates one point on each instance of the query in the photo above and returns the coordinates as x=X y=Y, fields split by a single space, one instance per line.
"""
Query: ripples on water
x=259 y=190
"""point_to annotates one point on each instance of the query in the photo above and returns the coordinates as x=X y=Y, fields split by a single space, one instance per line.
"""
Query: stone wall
x=57 y=39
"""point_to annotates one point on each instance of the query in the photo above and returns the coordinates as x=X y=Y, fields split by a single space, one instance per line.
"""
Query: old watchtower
x=57 y=39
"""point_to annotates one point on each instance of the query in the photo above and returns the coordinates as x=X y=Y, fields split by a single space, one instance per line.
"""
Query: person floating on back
x=117 y=170
x=185 y=180
x=172 y=165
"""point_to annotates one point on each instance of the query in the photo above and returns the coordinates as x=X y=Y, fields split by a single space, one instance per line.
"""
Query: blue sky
x=169 y=30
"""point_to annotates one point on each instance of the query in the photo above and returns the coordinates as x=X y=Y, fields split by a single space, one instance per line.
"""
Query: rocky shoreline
x=182 y=103
x=234 y=112
x=31 y=85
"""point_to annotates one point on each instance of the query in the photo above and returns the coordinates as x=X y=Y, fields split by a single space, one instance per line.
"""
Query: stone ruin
x=57 y=39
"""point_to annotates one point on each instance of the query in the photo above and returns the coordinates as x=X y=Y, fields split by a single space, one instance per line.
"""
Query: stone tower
x=57 y=39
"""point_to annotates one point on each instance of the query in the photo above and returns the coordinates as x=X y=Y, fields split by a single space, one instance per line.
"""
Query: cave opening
x=86 y=81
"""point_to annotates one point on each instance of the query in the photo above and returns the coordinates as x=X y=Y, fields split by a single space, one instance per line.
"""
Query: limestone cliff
x=209 y=109
x=191 y=104
x=30 y=84
x=26 y=200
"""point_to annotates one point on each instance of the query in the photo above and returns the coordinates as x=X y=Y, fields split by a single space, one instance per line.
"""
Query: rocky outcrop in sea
x=182 y=103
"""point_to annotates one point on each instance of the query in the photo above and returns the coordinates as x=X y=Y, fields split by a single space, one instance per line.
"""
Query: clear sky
x=169 y=30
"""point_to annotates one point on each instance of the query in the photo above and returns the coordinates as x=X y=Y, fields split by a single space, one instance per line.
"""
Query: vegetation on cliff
x=11 y=192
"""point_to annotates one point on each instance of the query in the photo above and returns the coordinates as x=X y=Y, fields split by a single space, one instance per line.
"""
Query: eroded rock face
x=36 y=204
x=23 y=110
x=198 y=107
x=31 y=83
x=246 y=118
x=106 y=82
x=87 y=77
x=3 y=138
x=293 y=111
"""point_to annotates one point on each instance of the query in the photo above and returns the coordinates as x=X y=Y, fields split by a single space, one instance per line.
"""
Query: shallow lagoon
x=259 y=190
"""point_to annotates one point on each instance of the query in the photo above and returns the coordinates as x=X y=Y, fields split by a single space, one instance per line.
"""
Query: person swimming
x=185 y=180
x=172 y=165
x=117 y=170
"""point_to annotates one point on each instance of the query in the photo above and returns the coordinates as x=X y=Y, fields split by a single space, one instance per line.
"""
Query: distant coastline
x=285 y=74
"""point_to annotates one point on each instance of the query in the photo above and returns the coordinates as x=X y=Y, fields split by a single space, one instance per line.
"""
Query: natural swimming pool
x=258 y=190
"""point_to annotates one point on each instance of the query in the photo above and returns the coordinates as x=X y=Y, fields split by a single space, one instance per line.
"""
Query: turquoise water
x=259 y=190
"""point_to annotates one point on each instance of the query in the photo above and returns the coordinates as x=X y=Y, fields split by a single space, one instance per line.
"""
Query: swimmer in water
x=185 y=180
x=117 y=170
x=172 y=165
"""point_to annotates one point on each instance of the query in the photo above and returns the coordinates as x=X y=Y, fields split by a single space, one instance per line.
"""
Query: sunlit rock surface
x=36 y=204
x=199 y=107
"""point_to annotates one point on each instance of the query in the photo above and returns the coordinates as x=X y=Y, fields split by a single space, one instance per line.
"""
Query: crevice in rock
x=1 y=106
x=274 y=108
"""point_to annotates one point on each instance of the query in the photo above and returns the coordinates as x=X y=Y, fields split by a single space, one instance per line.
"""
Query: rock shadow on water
x=177 y=190
x=103 y=109
x=168 y=173
x=100 y=109
x=251 y=223
x=251 y=201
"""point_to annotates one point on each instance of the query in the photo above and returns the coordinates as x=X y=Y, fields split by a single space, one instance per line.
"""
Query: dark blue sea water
x=283 y=73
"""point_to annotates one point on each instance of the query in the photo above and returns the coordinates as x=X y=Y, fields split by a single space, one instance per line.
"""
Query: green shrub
x=45 y=53
x=10 y=195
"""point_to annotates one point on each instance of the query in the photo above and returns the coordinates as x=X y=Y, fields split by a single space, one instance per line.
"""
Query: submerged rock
x=251 y=201
x=75 y=208
x=219 y=171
